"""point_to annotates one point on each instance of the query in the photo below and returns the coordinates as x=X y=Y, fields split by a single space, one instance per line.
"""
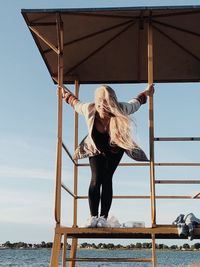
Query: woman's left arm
x=142 y=97
x=133 y=105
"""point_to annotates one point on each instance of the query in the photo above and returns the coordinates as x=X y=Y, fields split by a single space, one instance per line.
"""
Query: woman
x=109 y=136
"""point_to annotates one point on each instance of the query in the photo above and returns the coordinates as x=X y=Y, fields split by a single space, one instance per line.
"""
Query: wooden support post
x=153 y=250
x=59 y=131
x=73 y=251
x=75 y=165
x=57 y=238
x=64 y=252
x=55 y=254
x=75 y=240
x=151 y=125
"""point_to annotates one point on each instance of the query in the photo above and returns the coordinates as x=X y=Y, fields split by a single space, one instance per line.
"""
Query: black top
x=102 y=140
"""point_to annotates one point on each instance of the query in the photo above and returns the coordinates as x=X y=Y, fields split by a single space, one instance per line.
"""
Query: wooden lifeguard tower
x=130 y=45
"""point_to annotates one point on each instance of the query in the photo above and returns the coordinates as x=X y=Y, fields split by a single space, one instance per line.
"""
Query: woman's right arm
x=73 y=101
x=69 y=98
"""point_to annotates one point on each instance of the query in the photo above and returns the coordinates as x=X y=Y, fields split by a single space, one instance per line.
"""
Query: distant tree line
x=43 y=244
x=85 y=245
x=139 y=245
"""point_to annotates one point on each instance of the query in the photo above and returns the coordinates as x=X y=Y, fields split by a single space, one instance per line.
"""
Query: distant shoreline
x=101 y=249
x=100 y=246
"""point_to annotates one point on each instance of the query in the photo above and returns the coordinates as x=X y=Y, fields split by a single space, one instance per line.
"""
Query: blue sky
x=28 y=136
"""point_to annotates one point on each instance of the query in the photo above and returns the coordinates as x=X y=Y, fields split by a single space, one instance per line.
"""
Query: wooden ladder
x=63 y=233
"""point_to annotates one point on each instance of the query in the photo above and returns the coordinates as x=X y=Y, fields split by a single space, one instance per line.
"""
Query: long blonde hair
x=120 y=129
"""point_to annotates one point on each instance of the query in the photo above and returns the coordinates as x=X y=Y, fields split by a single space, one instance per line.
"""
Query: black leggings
x=103 y=167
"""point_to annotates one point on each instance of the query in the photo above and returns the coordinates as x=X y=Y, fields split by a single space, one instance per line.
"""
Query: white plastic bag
x=113 y=222
x=132 y=224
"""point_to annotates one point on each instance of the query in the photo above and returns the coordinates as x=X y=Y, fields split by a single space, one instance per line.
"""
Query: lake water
x=41 y=258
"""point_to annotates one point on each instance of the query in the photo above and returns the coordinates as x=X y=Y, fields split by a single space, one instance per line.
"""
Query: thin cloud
x=19 y=172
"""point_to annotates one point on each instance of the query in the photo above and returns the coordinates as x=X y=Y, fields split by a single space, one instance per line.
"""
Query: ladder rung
x=111 y=259
x=177 y=164
x=144 y=197
x=177 y=181
x=68 y=190
x=177 y=139
x=68 y=153
x=165 y=164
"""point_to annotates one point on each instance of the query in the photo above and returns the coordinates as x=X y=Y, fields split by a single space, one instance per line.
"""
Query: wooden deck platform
x=160 y=231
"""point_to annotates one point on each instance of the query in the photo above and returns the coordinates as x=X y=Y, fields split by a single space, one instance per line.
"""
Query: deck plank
x=160 y=231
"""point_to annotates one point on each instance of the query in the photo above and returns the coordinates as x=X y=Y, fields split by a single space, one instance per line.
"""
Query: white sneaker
x=91 y=222
x=102 y=222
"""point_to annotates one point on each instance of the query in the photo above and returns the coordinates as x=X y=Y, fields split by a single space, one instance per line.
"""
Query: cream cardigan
x=87 y=147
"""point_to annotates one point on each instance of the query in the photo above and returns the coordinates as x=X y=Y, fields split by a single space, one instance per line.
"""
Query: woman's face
x=101 y=103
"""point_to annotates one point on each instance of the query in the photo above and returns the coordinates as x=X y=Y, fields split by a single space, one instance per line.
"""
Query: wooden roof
x=109 y=45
